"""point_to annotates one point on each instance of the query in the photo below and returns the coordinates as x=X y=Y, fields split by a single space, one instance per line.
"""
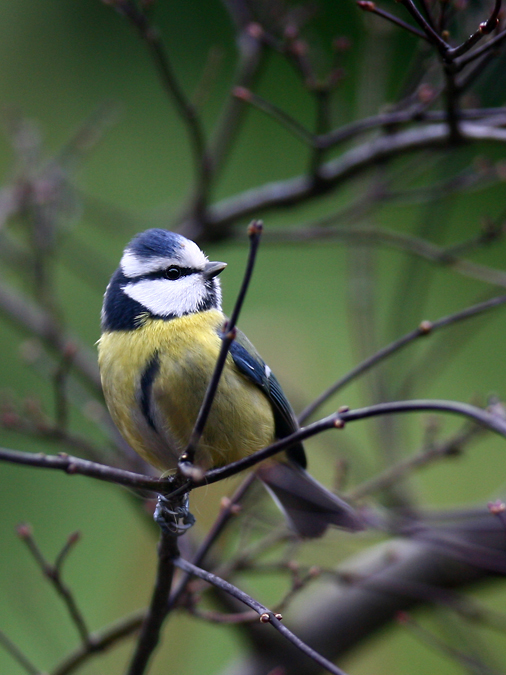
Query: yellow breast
x=154 y=380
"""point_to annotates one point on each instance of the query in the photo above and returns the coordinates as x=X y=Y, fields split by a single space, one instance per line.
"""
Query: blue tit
x=161 y=327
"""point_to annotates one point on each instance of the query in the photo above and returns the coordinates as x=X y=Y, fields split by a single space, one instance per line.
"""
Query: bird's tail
x=308 y=506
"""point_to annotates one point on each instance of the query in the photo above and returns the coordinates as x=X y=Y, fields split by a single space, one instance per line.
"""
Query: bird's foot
x=173 y=515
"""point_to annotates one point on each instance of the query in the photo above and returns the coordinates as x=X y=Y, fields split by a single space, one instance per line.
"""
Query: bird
x=162 y=324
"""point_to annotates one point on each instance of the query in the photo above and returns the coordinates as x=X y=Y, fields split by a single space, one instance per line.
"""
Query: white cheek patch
x=163 y=297
x=133 y=266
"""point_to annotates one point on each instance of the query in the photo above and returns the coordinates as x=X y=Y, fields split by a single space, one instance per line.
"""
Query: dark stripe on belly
x=147 y=379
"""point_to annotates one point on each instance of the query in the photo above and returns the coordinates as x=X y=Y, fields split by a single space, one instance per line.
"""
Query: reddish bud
x=366 y=5
x=24 y=530
x=255 y=228
x=255 y=30
x=425 y=327
x=488 y=26
x=264 y=618
x=74 y=537
x=242 y=93
x=496 y=507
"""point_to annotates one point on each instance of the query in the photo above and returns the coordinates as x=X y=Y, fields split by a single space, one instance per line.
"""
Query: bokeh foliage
x=63 y=61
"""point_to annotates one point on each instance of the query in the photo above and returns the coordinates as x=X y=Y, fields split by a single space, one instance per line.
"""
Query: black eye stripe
x=161 y=274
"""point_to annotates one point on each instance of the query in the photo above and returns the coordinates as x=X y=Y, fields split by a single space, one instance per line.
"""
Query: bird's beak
x=212 y=269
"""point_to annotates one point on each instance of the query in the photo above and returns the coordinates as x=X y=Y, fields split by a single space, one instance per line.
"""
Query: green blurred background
x=62 y=60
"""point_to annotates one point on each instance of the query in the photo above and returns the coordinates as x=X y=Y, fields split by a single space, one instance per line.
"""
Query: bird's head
x=162 y=275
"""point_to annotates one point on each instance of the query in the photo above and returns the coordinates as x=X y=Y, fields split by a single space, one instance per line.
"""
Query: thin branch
x=250 y=62
x=100 y=642
x=423 y=330
x=188 y=113
x=489 y=420
x=18 y=655
x=465 y=81
x=361 y=158
x=470 y=663
x=188 y=456
x=427 y=12
x=391 y=475
x=380 y=236
x=321 y=95
x=83 y=467
x=30 y=317
x=168 y=552
x=53 y=574
x=266 y=616
x=277 y=114
x=214 y=475
x=417 y=113
x=432 y=35
x=229 y=509
x=488 y=46
x=60 y=380
x=483 y=29
x=369 y=6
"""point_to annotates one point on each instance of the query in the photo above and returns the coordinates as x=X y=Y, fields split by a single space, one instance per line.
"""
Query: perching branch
x=229 y=332
x=168 y=552
x=334 y=172
x=424 y=329
x=266 y=616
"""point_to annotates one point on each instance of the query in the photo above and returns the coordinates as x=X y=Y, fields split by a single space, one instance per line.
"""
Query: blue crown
x=156 y=242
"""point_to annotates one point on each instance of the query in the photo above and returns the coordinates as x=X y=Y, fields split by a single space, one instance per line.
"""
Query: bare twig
x=424 y=329
x=467 y=661
x=36 y=321
x=449 y=448
x=351 y=163
x=83 y=467
x=18 y=655
x=369 y=6
x=228 y=510
x=489 y=420
x=53 y=573
x=188 y=113
x=60 y=380
x=494 y=42
x=168 y=552
x=276 y=113
x=427 y=28
x=266 y=616
x=100 y=642
x=229 y=333
x=484 y=29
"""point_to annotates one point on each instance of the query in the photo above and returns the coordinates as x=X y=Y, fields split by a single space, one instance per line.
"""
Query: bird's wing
x=252 y=366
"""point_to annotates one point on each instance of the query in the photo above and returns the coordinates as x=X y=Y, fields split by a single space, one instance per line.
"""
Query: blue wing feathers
x=251 y=365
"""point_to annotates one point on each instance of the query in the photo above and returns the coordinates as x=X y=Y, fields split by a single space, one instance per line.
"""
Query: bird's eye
x=172 y=273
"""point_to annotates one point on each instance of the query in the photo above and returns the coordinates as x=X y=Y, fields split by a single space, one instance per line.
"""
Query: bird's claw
x=173 y=516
